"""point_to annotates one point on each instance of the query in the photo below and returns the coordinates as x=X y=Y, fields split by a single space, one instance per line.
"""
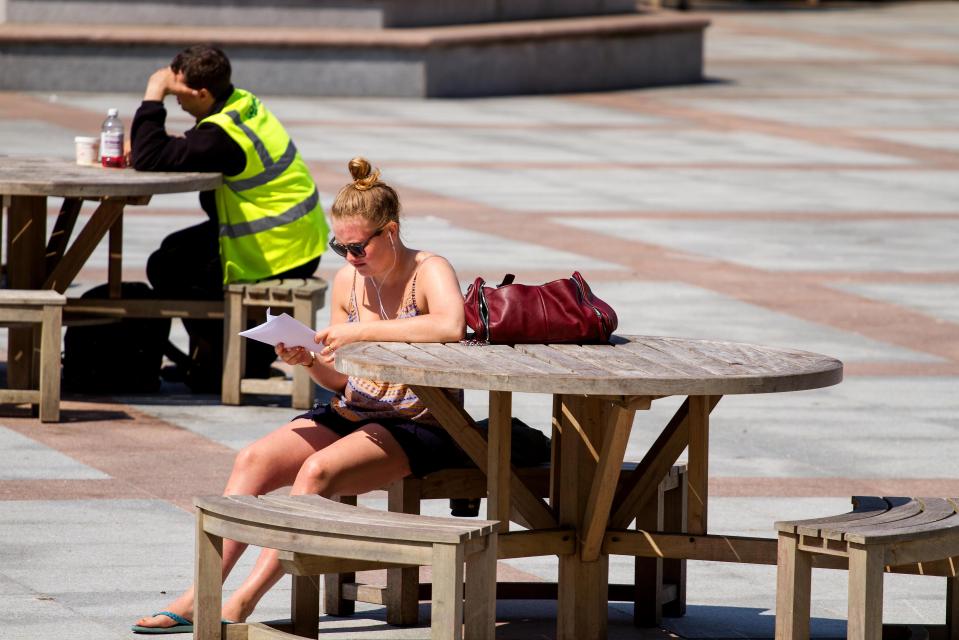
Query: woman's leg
x=367 y=459
x=271 y=462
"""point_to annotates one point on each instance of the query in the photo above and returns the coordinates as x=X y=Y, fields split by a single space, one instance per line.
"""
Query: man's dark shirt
x=205 y=147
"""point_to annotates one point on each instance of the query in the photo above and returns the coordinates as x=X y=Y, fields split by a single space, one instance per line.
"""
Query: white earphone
x=391 y=240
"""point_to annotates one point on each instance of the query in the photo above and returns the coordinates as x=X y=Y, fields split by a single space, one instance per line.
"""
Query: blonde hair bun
x=364 y=176
x=366 y=196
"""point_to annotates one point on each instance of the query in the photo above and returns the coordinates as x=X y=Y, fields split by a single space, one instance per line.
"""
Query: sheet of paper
x=283 y=328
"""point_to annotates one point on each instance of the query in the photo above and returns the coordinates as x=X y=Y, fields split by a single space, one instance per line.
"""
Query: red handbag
x=561 y=311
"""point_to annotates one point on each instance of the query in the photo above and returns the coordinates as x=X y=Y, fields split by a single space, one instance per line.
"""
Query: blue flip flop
x=182 y=625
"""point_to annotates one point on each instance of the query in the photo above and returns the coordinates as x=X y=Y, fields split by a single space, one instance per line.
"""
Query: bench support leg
x=49 y=383
x=480 y=607
x=305 y=606
x=208 y=582
x=865 y=593
x=234 y=322
x=402 y=585
x=793 y=585
x=447 y=622
x=334 y=604
x=674 y=519
x=648 y=572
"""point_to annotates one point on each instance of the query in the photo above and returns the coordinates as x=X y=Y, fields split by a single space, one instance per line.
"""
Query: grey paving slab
x=741 y=45
x=678 y=309
x=515 y=110
x=24 y=459
x=849 y=112
x=862 y=428
x=904 y=246
x=32 y=138
x=712 y=190
x=937 y=300
x=233 y=427
x=470 y=112
x=945 y=140
x=883 y=80
x=606 y=144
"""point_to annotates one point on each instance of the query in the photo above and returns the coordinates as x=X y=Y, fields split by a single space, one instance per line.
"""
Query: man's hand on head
x=165 y=82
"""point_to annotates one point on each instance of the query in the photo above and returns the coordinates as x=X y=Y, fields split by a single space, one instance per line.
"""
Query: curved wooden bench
x=659 y=587
x=316 y=536
x=877 y=535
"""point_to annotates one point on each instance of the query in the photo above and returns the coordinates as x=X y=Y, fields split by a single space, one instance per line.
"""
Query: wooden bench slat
x=332 y=517
x=308 y=505
x=885 y=535
x=868 y=507
x=900 y=508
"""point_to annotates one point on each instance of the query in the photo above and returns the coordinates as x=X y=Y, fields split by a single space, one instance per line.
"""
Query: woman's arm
x=442 y=320
x=321 y=369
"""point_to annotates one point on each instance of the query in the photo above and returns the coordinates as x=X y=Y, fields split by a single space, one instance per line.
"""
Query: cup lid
x=85 y=139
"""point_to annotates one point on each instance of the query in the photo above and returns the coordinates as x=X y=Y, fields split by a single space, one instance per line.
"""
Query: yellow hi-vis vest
x=269 y=214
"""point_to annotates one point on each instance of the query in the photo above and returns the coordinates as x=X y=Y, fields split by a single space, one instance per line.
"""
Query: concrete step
x=363 y=14
x=522 y=57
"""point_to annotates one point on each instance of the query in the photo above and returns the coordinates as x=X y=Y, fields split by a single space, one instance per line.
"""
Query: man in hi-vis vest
x=265 y=221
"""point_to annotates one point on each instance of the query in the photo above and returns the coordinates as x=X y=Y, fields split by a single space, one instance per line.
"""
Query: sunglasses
x=355 y=249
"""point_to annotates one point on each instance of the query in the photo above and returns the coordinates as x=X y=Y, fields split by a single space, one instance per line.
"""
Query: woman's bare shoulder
x=427 y=261
x=343 y=281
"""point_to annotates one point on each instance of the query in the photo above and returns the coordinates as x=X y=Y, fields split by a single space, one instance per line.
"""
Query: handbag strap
x=507 y=279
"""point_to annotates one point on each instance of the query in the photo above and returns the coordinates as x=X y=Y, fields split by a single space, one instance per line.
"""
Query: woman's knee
x=252 y=460
x=317 y=476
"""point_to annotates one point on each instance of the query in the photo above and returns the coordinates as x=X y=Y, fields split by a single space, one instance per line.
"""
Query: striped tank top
x=364 y=399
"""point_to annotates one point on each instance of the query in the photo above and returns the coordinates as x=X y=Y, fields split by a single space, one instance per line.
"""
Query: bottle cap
x=112 y=112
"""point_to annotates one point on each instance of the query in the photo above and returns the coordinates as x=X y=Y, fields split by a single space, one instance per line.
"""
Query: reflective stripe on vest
x=271 y=169
x=292 y=214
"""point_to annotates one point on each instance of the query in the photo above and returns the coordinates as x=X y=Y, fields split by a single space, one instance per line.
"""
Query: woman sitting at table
x=372 y=432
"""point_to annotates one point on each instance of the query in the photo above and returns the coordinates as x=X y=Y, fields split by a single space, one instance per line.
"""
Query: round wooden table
x=596 y=389
x=36 y=262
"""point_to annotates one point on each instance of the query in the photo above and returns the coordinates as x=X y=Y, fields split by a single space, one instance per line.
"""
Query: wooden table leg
x=698 y=467
x=26 y=244
x=582 y=599
x=97 y=226
x=115 y=259
x=499 y=456
x=62 y=232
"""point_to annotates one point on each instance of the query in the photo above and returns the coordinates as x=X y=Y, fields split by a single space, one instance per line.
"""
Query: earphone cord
x=376 y=287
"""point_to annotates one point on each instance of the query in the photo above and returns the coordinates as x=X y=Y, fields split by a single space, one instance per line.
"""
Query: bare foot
x=182 y=606
x=236 y=611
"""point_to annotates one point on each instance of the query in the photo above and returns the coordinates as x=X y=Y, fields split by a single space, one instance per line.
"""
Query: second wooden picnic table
x=596 y=391
x=36 y=261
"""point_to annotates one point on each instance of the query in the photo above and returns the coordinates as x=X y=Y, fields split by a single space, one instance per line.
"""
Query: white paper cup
x=88 y=149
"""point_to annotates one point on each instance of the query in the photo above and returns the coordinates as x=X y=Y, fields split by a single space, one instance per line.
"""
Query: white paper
x=283 y=328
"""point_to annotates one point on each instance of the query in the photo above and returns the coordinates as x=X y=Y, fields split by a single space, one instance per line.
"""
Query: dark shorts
x=426 y=447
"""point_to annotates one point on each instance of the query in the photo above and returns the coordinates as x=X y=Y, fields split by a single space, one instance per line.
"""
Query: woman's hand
x=296 y=355
x=334 y=337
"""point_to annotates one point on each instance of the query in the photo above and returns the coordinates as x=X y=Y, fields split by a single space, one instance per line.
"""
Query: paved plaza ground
x=806 y=196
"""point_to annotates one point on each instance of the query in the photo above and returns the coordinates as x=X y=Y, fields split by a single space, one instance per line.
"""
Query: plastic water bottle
x=111 y=141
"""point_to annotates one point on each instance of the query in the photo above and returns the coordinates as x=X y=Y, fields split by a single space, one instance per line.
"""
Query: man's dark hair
x=204 y=67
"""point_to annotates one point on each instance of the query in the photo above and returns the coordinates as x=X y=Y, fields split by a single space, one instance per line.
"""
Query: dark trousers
x=187 y=267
